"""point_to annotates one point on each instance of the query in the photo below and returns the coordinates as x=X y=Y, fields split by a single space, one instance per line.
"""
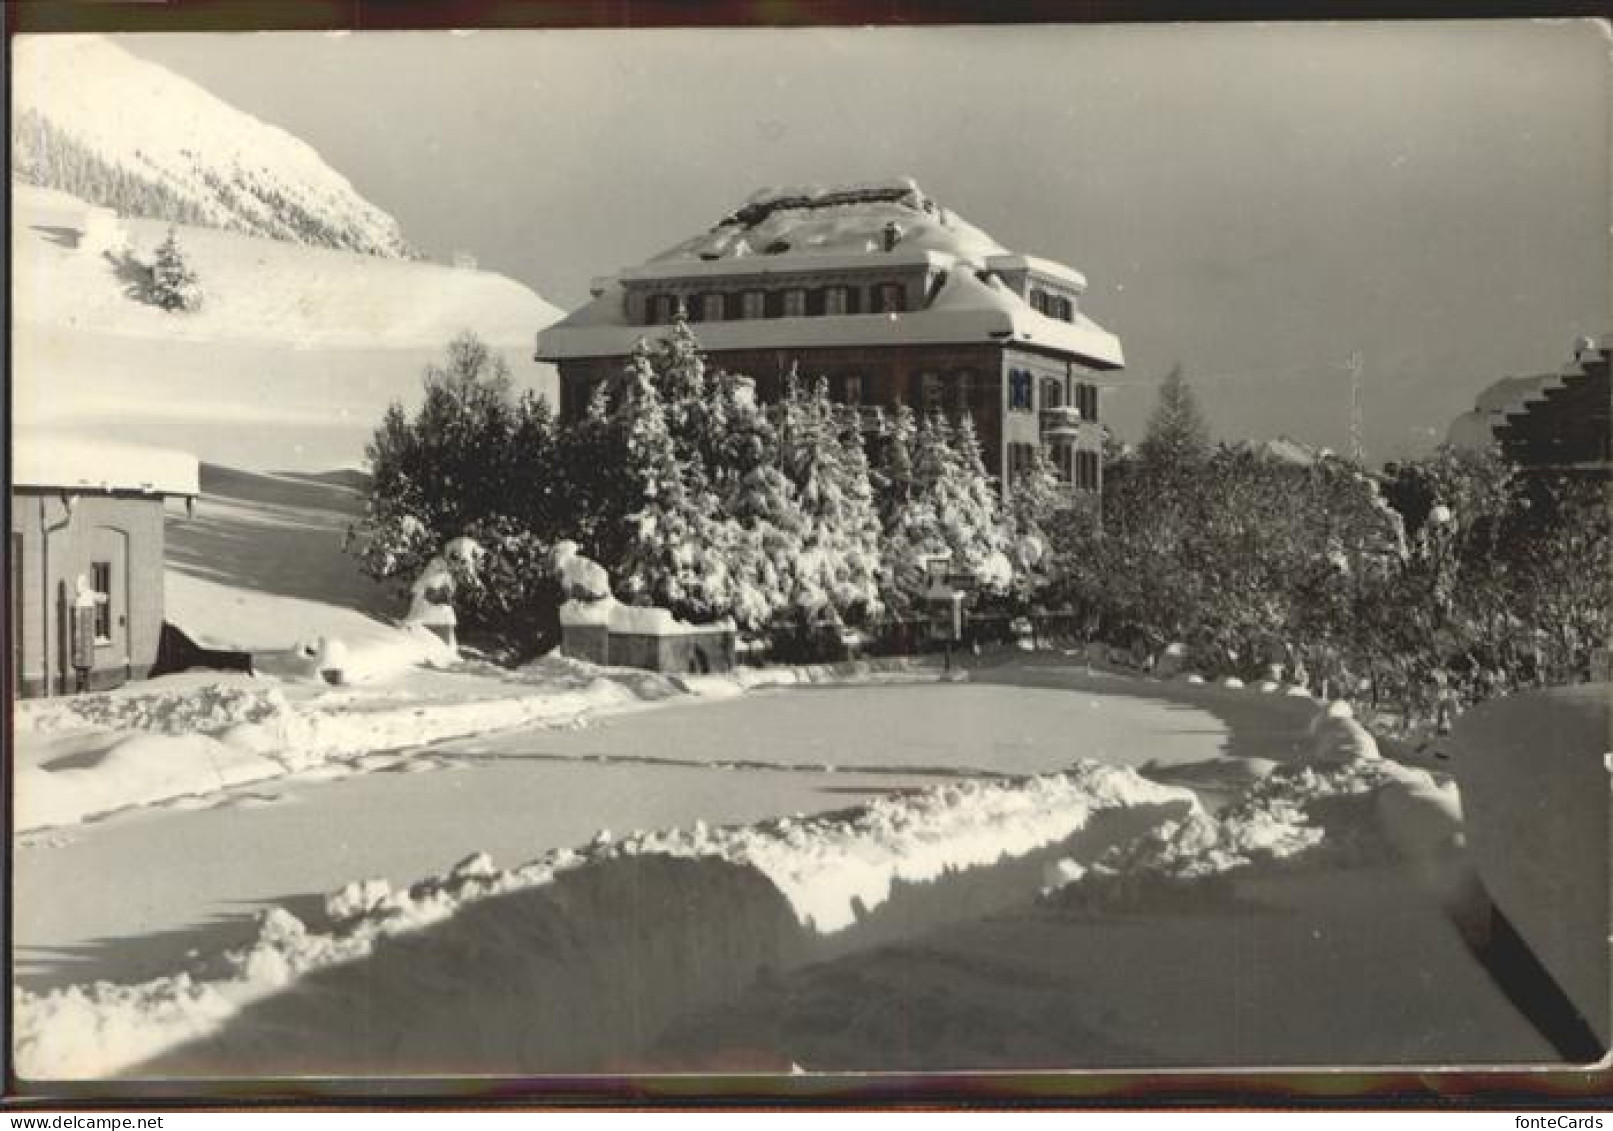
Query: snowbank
x=831 y=869
x=1535 y=786
x=834 y=870
x=1292 y=814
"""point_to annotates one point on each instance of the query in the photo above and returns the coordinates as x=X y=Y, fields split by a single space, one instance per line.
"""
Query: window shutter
x=773 y=304
x=814 y=302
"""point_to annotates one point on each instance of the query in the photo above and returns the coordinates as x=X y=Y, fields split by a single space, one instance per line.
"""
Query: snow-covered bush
x=474 y=460
x=1427 y=585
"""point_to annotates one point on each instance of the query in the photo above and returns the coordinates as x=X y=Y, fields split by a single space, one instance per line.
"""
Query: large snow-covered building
x=86 y=551
x=886 y=294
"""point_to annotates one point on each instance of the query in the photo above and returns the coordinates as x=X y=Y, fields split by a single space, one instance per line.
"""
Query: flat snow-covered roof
x=77 y=463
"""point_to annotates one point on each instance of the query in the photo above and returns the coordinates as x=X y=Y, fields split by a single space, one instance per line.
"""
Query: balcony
x=1061 y=423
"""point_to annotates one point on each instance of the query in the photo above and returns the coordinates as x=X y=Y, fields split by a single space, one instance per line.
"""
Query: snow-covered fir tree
x=765 y=539
x=907 y=522
x=1036 y=495
x=174 y=286
x=1177 y=439
x=837 y=569
x=675 y=554
x=956 y=509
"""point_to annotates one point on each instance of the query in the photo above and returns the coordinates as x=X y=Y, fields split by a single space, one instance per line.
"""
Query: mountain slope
x=92 y=120
x=289 y=363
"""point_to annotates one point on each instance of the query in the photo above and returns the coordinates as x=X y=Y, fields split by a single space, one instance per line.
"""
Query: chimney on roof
x=893 y=235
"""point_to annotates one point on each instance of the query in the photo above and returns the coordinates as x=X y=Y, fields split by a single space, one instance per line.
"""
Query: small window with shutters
x=851 y=389
x=930 y=392
x=889 y=298
x=713 y=308
x=836 y=300
x=753 y=304
x=660 y=312
x=795 y=304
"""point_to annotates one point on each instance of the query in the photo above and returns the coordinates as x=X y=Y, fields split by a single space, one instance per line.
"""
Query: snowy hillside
x=91 y=119
x=288 y=364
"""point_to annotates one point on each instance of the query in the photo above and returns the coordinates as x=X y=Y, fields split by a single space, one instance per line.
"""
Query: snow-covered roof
x=812 y=229
x=77 y=463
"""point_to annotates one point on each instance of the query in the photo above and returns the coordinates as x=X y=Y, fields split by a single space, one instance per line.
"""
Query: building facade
x=1552 y=422
x=885 y=294
x=88 y=515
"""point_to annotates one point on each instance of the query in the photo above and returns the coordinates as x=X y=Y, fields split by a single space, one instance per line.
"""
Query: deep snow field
x=444 y=867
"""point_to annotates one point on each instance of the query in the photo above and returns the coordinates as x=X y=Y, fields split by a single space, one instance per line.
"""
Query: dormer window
x=889 y=298
x=753 y=304
x=795 y=303
x=712 y=307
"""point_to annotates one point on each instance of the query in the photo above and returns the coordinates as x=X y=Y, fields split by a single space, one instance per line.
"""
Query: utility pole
x=1357 y=452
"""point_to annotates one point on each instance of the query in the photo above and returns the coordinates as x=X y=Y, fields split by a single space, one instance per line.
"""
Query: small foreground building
x=91 y=511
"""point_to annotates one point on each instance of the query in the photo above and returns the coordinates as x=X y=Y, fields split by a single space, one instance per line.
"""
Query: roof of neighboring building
x=795 y=230
x=77 y=463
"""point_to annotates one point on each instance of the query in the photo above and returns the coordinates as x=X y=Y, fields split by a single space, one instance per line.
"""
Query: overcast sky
x=1256 y=202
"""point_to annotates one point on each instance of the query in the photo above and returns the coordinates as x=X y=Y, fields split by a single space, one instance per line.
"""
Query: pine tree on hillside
x=173 y=283
x=1177 y=438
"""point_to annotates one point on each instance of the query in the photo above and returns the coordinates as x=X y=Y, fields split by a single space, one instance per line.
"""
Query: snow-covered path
x=150 y=886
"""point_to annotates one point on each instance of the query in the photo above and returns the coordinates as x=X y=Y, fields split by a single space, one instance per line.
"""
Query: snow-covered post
x=82 y=631
x=945 y=601
x=585 y=616
x=431 y=603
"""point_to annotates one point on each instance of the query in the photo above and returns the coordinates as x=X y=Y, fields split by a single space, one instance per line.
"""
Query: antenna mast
x=1357 y=452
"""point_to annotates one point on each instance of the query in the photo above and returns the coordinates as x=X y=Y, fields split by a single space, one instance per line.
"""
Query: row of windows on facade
x=792 y=302
x=805 y=302
x=1081 y=471
x=955 y=392
x=1022 y=394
